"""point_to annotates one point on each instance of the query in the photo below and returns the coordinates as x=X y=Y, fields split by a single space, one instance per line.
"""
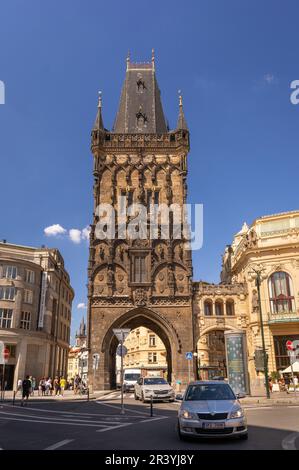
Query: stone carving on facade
x=140 y=297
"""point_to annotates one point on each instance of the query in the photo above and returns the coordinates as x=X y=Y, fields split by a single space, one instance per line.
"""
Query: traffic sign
x=95 y=361
x=2 y=347
x=6 y=354
x=121 y=333
x=289 y=345
x=121 y=350
x=189 y=355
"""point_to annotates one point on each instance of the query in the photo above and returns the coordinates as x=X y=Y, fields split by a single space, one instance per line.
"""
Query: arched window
x=230 y=308
x=208 y=308
x=281 y=293
x=219 y=308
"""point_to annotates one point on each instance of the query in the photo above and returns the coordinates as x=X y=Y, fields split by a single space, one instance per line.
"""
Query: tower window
x=139 y=268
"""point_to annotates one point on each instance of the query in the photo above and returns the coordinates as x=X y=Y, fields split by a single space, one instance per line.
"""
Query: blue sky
x=234 y=62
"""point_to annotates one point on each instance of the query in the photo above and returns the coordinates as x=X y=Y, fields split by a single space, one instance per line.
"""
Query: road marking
x=59 y=444
x=50 y=419
x=114 y=427
x=289 y=442
x=94 y=425
x=118 y=408
x=62 y=412
x=153 y=419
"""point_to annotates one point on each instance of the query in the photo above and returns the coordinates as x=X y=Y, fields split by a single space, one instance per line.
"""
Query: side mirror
x=240 y=395
x=179 y=396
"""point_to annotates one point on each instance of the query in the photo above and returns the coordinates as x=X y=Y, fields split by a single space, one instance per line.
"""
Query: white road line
x=50 y=419
x=289 y=442
x=118 y=408
x=114 y=427
x=153 y=419
x=62 y=412
x=95 y=425
x=59 y=444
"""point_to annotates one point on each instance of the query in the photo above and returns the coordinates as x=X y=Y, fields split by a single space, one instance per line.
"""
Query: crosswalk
x=115 y=396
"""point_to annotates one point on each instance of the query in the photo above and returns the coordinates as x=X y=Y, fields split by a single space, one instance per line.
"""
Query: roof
x=140 y=108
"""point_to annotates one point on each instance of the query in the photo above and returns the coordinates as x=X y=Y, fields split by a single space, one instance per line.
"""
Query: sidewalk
x=68 y=396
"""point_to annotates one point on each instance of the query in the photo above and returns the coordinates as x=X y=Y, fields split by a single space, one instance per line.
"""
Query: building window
x=208 y=308
x=28 y=296
x=219 y=308
x=7 y=293
x=29 y=276
x=139 y=274
x=12 y=350
x=281 y=293
x=5 y=318
x=152 y=340
x=9 y=272
x=230 y=308
x=152 y=358
x=25 y=320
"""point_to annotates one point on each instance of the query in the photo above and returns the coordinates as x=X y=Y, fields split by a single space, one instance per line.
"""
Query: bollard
x=152 y=414
x=14 y=398
x=88 y=394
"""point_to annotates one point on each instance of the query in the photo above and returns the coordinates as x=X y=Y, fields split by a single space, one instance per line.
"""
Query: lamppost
x=257 y=275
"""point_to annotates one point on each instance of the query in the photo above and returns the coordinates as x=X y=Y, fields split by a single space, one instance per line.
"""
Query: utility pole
x=258 y=280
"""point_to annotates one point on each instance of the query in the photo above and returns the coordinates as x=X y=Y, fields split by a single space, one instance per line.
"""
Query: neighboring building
x=272 y=244
x=35 y=311
x=141 y=282
x=145 y=351
x=78 y=355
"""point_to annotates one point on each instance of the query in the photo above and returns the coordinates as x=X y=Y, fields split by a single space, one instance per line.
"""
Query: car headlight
x=187 y=415
x=236 y=414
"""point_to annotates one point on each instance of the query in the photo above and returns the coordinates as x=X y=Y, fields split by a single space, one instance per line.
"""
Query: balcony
x=283 y=317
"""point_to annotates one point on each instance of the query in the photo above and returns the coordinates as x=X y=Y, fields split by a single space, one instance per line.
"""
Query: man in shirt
x=26 y=389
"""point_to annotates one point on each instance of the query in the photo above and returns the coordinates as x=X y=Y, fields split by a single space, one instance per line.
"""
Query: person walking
x=56 y=386
x=33 y=385
x=287 y=383
x=19 y=386
x=26 y=389
x=62 y=385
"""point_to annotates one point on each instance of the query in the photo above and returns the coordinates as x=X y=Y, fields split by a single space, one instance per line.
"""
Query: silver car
x=211 y=409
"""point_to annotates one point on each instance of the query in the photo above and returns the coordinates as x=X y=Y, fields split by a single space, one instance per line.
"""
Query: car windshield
x=155 y=381
x=132 y=376
x=209 y=392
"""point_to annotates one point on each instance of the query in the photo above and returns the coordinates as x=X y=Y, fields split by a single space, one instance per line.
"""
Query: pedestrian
x=49 y=386
x=56 y=386
x=270 y=384
x=62 y=385
x=26 y=389
x=19 y=386
x=33 y=385
x=77 y=384
x=287 y=383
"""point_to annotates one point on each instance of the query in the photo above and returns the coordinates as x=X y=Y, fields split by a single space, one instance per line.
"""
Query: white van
x=130 y=378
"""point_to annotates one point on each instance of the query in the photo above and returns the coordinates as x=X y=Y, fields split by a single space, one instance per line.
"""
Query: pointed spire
x=99 y=120
x=153 y=59
x=182 y=124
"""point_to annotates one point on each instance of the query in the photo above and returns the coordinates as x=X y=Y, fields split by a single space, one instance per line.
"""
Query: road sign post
x=95 y=365
x=121 y=334
x=4 y=356
x=189 y=357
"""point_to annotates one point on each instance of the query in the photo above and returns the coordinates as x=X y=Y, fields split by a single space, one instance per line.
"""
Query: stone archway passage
x=141 y=316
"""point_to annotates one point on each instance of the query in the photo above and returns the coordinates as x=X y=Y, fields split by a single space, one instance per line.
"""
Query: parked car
x=211 y=409
x=156 y=388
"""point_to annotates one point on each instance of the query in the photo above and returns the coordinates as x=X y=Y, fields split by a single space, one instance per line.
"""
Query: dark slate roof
x=140 y=108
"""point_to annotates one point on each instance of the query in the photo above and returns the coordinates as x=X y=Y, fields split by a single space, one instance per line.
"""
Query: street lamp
x=257 y=275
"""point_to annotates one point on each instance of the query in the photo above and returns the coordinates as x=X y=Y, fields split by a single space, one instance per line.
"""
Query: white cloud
x=82 y=306
x=269 y=78
x=85 y=233
x=54 y=230
x=75 y=235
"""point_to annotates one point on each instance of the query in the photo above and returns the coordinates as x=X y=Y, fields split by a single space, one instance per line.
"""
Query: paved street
x=98 y=424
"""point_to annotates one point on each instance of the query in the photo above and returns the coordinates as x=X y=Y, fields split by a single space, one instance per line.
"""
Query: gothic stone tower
x=139 y=282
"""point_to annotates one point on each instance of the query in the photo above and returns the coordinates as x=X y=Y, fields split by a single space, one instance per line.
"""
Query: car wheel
x=244 y=437
x=180 y=436
x=136 y=396
x=171 y=400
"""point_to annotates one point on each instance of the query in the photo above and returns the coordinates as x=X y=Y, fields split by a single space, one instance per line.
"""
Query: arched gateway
x=139 y=277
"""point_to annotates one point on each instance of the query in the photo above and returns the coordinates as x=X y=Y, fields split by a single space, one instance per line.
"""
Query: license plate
x=213 y=425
